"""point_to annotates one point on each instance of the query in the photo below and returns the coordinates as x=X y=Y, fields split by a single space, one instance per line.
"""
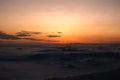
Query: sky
x=59 y=21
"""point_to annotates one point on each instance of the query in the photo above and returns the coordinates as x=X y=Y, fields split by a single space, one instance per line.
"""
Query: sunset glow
x=60 y=21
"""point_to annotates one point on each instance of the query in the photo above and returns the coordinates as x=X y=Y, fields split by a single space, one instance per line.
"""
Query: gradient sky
x=85 y=21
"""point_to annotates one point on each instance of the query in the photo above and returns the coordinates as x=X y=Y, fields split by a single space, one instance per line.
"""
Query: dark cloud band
x=8 y=36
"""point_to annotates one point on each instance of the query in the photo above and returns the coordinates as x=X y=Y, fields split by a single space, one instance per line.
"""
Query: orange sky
x=60 y=21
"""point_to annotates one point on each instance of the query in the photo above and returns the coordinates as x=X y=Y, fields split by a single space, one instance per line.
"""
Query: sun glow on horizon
x=60 y=20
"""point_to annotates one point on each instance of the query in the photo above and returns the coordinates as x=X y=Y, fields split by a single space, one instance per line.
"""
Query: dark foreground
x=110 y=75
x=81 y=62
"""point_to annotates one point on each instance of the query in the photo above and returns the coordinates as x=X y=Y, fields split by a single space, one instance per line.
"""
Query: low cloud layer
x=53 y=36
x=23 y=34
x=26 y=33
x=36 y=32
x=8 y=36
x=59 y=32
x=33 y=39
x=50 y=40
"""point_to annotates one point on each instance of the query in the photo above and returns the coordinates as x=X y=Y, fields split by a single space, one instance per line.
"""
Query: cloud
x=23 y=34
x=8 y=36
x=41 y=40
x=26 y=33
x=53 y=36
x=36 y=32
x=59 y=32
x=33 y=39
x=50 y=40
